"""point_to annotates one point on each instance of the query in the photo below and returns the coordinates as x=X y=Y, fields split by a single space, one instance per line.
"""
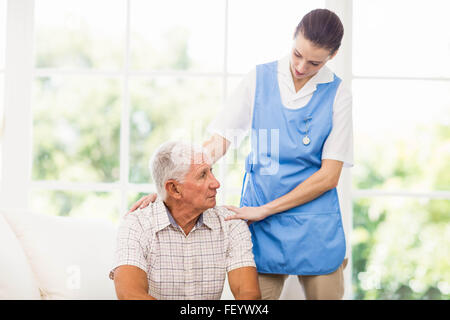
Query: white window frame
x=2 y=72
x=16 y=141
x=16 y=183
x=344 y=8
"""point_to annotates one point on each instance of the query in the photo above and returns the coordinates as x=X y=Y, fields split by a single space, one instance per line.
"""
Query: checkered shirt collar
x=164 y=218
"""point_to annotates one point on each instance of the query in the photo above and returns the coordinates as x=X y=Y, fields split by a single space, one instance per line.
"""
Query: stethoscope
x=306 y=140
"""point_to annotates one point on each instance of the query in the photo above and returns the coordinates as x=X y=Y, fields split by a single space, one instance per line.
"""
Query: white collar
x=324 y=75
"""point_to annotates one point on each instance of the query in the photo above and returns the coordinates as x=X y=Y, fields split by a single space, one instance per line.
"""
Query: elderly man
x=180 y=246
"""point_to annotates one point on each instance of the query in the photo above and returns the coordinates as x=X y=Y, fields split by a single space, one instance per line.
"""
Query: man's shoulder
x=218 y=215
x=142 y=219
x=218 y=212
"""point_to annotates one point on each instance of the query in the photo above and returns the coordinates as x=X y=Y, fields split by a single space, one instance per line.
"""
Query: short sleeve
x=233 y=121
x=339 y=144
x=131 y=246
x=239 y=253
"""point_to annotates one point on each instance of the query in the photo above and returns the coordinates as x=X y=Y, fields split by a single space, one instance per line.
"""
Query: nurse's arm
x=216 y=147
x=324 y=179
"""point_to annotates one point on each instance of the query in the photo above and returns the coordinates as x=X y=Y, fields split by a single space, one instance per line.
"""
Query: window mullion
x=222 y=163
x=365 y=193
x=124 y=120
x=17 y=132
x=360 y=77
x=342 y=65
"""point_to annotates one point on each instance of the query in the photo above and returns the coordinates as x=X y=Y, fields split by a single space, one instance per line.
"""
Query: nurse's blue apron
x=308 y=239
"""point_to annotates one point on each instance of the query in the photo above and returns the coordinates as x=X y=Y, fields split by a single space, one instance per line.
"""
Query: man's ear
x=173 y=189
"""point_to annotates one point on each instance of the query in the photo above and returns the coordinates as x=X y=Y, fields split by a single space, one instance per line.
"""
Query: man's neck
x=184 y=216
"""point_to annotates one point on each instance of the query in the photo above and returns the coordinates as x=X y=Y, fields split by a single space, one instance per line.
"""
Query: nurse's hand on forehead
x=251 y=214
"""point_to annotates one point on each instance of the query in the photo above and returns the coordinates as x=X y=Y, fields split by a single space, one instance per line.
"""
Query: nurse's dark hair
x=323 y=28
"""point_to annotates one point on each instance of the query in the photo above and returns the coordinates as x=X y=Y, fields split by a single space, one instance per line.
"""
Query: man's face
x=199 y=187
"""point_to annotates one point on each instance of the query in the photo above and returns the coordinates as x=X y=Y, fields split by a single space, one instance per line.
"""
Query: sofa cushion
x=16 y=277
x=71 y=257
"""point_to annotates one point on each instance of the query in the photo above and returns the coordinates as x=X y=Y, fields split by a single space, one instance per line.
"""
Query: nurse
x=300 y=116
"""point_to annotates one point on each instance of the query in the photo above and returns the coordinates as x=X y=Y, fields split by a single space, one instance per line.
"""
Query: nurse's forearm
x=216 y=147
x=308 y=190
x=326 y=178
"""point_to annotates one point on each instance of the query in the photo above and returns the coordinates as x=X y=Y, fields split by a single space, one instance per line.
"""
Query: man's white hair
x=172 y=160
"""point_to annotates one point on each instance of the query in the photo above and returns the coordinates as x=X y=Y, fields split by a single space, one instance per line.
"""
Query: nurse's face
x=307 y=58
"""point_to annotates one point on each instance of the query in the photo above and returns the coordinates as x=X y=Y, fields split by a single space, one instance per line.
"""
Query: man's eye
x=315 y=64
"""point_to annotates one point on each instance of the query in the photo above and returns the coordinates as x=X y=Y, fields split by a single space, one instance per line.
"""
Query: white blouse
x=234 y=120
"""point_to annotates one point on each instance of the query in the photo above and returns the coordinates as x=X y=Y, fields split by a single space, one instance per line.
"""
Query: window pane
x=234 y=161
x=400 y=248
x=2 y=33
x=132 y=197
x=402 y=135
x=76 y=129
x=98 y=205
x=262 y=30
x=177 y=35
x=80 y=34
x=233 y=199
x=232 y=83
x=169 y=108
x=401 y=38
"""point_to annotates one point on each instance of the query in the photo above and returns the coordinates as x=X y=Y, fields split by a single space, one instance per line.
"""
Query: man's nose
x=215 y=183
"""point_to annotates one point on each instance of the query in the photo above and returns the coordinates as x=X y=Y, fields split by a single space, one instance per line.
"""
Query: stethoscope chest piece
x=306 y=140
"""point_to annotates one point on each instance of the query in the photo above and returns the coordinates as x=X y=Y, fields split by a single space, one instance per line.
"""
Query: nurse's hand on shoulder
x=143 y=202
x=251 y=214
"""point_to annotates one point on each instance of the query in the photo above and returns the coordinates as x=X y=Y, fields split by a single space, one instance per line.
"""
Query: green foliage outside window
x=400 y=246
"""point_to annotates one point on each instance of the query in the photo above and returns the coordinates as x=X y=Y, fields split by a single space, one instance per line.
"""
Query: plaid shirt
x=179 y=266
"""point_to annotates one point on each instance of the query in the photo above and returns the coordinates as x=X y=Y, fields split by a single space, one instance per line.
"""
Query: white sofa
x=47 y=257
